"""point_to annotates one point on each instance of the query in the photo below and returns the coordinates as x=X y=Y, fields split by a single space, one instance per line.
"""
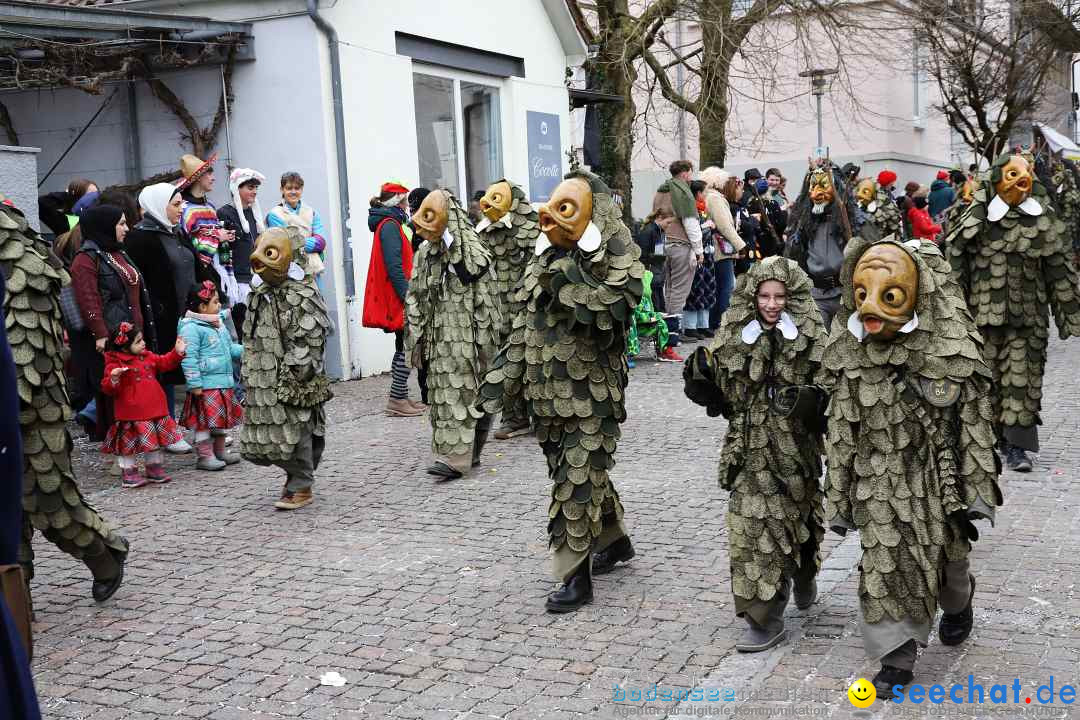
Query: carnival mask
x=568 y=213
x=967 y=192
x=822 y=191
x=886 y=286
x=1014 y=187
x=496 y=201
x=866 y=193
x=432 y=216
x=272 y=255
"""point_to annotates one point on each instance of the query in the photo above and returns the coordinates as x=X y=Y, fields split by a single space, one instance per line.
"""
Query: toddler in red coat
x=143 y=424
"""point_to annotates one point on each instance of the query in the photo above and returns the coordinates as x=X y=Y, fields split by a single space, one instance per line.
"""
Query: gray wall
x=18 y=180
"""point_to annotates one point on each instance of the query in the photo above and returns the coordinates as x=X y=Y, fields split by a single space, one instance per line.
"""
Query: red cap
x=886 y=178
x=942 y=175
x=394 y=187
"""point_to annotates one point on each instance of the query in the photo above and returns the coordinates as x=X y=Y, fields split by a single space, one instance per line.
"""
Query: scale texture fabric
x=455 y=323
x=907 y=469
x=567 y=355
x=1066 y=176
x=886 y=216
x=769 y=463
x=285 y=331
x=1014 y=273
x=52 y=502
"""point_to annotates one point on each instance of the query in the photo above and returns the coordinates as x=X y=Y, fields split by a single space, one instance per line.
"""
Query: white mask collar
x=786 y=325
x=855 y=326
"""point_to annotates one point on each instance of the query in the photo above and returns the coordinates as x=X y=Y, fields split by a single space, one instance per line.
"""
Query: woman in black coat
x=168 y=268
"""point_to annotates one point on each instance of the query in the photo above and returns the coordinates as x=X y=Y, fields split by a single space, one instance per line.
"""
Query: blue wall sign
x=545 y=155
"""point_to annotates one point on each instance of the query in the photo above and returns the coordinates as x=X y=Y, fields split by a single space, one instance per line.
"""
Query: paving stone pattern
x=428 y=598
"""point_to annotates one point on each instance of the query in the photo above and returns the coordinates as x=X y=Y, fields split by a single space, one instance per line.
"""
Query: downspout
x=342 y=170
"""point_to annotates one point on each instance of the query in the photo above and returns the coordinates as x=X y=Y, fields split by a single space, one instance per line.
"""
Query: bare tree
x=994 y=63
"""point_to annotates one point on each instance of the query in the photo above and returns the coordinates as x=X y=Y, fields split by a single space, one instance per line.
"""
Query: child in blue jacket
x=211 y=407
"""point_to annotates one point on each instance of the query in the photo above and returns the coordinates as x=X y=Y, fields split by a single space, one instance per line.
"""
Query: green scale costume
x=885 y=215
x=452 y=326
x=51 y=500
x=509 y=230
x=911 y=458
x=285 y=333
x=1013 y=265
x=567 y=353
x=647 y=322
x=771 y=459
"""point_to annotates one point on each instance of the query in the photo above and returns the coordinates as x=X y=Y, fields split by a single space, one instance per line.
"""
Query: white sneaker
x=179 y=447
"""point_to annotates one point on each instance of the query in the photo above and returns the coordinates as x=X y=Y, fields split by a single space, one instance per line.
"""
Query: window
x=458 y=133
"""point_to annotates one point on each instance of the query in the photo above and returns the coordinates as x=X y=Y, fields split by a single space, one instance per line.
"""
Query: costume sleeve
x=390 y=244
x=692 y=225
x=720 y=214
x=841 y=458
x=978 y=464
x=418 y=310
x=317 y=242
x=1061 y=290
x=190 y=363
x=84 y=277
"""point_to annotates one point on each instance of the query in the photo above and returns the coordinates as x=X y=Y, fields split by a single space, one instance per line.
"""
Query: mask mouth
x=491 y=212
x=550 y=223
x=873 y=324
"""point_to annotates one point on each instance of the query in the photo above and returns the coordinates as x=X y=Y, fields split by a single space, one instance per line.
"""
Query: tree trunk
x=611 y=75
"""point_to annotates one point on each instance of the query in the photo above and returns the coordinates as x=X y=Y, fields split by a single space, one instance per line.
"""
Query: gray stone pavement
x=428 y=598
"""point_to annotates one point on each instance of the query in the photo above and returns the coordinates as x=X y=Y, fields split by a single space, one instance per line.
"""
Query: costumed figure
x=964 y=196
x=568 y=353
x=1010 y=255
x=880 y=209
x=452 y=327
x=826 y=218
x=1065 y=179
x=763 y=374
x=51 y=499
x=509 y=230
x=285 y=331
x=911 y=459
x=647 y=322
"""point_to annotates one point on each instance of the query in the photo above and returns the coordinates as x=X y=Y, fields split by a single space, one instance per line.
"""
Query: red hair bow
x=207 y=291
x=121 y=337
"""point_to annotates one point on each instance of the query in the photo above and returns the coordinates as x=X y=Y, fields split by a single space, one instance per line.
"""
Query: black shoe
x=444 y=471
x=619 y=551
x=954 y=629
x=574 y=594
x=889 y=676
x=758 y=639
x=102 y=590
x=806 y=596
x=1017 y=460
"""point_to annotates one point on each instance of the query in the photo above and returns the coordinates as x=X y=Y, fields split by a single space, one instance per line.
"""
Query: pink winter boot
x=207 y=461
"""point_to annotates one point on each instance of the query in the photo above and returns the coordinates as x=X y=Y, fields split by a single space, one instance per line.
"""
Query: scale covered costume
x=285 y=331
x=771 y=460
x=1010 y=254
x=567 y=354
x=452 y=328
x=880 y=209
x=911 y=458
x=509 y=230
x=51 y=499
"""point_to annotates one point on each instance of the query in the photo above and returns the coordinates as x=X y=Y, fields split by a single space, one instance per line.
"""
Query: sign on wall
x=545 y=154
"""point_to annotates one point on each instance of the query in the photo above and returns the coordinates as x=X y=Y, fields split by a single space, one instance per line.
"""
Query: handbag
x=69 y=310
x=17 y=597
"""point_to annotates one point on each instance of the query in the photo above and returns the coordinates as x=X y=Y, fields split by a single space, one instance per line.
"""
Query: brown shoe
x=294 y=501
x=401 y=408
x=418 y=405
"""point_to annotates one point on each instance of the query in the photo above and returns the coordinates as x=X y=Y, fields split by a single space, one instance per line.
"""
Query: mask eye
x=271 y=253
x=860 y=295
x=894 y=297
x=567 y=208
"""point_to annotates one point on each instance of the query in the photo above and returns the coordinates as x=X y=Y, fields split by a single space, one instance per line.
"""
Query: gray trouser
x=828 y=308
x=565 y=561
x=769 y=615
x=301 y=467
x=680 y=276
x=887 y=640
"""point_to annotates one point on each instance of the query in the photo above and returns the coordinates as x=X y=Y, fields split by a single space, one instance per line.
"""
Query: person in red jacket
x=143 y=424
x=922 y=227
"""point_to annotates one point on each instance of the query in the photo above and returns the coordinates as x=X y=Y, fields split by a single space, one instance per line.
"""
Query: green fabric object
x=511 y=250
x=682 y=200
x=769 y=463
x=285 y=331
x=1015 y=273
x=455 y=325
x=567 y=356
x=51 y=500
x=906 y=469
x=646 y=322
x=886 y=216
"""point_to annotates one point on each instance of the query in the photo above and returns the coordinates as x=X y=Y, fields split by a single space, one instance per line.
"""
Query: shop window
x=436 y=133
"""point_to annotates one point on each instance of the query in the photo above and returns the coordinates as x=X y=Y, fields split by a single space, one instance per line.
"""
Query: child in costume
x=142 y=417
x=763 y=374
x=211 y=407
x=646 y=322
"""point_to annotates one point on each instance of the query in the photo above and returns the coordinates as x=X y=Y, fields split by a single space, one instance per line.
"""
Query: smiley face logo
x=862 y=693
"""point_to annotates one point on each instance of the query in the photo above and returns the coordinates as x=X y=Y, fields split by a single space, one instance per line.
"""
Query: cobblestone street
x=428 y=598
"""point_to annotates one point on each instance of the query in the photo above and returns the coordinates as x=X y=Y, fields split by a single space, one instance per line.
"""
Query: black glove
x=700 y=382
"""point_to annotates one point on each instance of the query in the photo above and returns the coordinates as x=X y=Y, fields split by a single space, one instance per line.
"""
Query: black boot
x=889 y=676
x=483 y=427
x=805 y=594
x=577 y=591
x=1017 y=460
x=954 y=629
x=108 y=572
x=619 y=551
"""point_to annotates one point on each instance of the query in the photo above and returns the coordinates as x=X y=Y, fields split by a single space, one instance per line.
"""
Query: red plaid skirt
x=213 y=410
x=131 y=437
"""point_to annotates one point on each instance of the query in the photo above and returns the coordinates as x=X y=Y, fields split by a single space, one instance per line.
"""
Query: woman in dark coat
x=168 y=269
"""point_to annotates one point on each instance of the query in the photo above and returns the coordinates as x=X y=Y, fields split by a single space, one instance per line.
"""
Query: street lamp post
x=818 y=85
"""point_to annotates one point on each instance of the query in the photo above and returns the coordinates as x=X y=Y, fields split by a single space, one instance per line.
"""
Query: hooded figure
x=452 y=320
x=286 y=327
x=1010 y=255
x=567 y=355
x=879 y=208
x=51 y=499
x=246 y=222
x=763 y=374
x=510 y=229
x=911 y=459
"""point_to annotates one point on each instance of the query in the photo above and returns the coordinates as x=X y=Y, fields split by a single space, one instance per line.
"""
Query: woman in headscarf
x=168 y=269
x=110 y=290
